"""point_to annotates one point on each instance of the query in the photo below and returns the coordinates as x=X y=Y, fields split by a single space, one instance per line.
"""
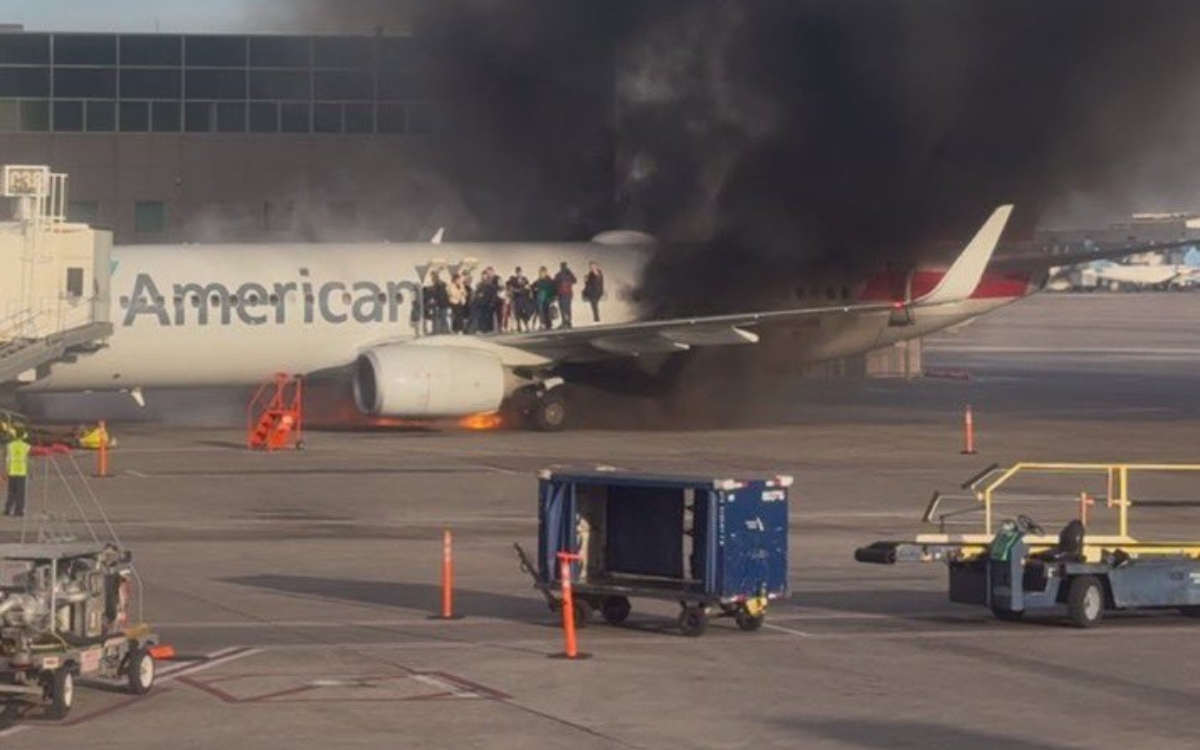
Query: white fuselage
x=214 y=315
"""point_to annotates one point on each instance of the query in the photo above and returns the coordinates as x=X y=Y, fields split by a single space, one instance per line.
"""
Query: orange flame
x=480 y=422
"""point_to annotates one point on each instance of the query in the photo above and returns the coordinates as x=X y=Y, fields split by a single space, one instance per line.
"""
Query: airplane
x=234 y=315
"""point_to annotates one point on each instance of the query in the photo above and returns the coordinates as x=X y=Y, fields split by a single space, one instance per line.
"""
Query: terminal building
x=177 y=137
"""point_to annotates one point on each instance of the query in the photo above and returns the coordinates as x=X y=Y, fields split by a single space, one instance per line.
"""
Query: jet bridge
x=54 y=289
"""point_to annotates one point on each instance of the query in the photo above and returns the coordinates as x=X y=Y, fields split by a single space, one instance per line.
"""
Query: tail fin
x=962 y=278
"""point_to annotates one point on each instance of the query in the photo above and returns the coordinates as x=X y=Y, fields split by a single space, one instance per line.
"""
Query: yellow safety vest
x=16 y=457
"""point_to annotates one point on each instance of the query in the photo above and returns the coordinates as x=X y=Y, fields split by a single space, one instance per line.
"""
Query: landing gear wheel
x=142 y=671
x=693 y=621
x=583 y=613
x=1085 y=601
x=1008 y=615
x=9 y=713
x=61 y=693
x=747 y=621
x=549 y=412
x=615 y=609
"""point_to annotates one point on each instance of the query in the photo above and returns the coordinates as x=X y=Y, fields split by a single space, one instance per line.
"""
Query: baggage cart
x=718 y=546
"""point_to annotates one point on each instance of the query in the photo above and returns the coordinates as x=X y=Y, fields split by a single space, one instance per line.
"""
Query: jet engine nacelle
x=406 y=380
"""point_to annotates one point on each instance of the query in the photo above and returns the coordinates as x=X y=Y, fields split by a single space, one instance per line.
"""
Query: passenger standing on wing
x=564 y=282
x=593 y=288
x=456 y=293
x=499 y=308
x=543 y=296
x=519 y=299
x=440 y=309
x=16 y=469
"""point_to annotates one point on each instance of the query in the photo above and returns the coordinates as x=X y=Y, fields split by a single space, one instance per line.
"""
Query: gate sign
x=25 y=181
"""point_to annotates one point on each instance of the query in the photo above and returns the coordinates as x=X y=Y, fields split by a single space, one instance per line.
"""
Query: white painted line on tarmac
x=15 y=730
x=789 y=631
x=210 y=663
x=261 y=624
x=1103 y=350
x=138 y=474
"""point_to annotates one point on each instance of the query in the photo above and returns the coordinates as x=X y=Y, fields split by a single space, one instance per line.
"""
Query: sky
x=215 y=16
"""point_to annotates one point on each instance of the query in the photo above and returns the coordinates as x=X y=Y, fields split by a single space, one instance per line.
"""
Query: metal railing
x=986 y=489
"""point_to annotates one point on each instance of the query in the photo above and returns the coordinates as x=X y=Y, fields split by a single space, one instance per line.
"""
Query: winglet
x=437 y=236
x=962 y=278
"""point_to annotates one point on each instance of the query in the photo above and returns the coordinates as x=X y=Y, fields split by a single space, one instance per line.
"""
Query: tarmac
x=299 y=586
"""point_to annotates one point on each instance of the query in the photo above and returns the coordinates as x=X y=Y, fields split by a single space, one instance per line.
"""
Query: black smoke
x=774 y=140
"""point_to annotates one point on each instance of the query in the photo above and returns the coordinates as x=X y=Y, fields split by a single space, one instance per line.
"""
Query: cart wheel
x=615 y=609
x=62 y=693
x=1190 y=611
x=693 y=621
x=142 y=671
x=747 y=621
x=583 y=613
x=9 y=714
x=1085 y=601
x=1008 y=615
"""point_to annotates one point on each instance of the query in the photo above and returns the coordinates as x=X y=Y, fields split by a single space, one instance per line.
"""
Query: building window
x=199 y=117
x=150 y=50
x=341 y=52
x=294 y=118
x=25 y=49
x=68 y=117
x=151 y=84
x=84 y=212
x=149 y=217
x=327 y=118
x=391 y=118
x=342 y=85
x=35 y=116
x=360 y=118
x=264 y=118
x=101 y=117
x=135 y=117
x=215 y=51
x=231 y=118
x=279 y=84
x=279 y=52
x=215 y=84
x=33 y=82
x=10 y=118
x=74 y=282
x=164 y=117
x=85 y=83
x=85 y=49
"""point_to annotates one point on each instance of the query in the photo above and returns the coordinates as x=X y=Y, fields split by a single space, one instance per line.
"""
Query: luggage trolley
x=718 y=546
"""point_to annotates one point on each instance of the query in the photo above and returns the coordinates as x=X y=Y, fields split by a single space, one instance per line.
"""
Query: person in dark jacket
x=564 y=282
x=543 y=296
x=593 y=288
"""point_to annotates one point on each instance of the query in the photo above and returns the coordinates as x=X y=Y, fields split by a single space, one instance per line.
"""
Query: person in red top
x=564 y=282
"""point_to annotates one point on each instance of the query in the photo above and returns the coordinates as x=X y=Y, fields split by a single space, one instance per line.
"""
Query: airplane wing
x=680 y=334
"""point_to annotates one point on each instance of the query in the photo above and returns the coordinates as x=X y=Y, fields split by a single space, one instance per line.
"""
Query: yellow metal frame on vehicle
x=1118 y=476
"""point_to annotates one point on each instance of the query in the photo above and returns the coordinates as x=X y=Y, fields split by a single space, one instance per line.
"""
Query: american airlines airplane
x=228 y=315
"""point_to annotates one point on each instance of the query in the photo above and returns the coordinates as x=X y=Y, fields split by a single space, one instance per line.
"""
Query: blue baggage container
x=718 y=546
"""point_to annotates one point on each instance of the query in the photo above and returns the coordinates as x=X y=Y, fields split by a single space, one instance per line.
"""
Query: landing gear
x=542 y=407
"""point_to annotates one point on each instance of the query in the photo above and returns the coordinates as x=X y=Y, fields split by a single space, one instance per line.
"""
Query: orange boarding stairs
x=275 y=416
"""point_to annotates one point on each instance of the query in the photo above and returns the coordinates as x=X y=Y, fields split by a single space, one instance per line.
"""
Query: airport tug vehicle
x=1020 y=568
x=718 y=546
x=65 y=613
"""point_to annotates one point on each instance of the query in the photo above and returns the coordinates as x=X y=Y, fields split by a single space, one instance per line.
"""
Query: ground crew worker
x=16 y=469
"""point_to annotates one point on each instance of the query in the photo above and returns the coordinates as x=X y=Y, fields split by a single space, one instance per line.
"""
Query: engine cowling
x=405 y=380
